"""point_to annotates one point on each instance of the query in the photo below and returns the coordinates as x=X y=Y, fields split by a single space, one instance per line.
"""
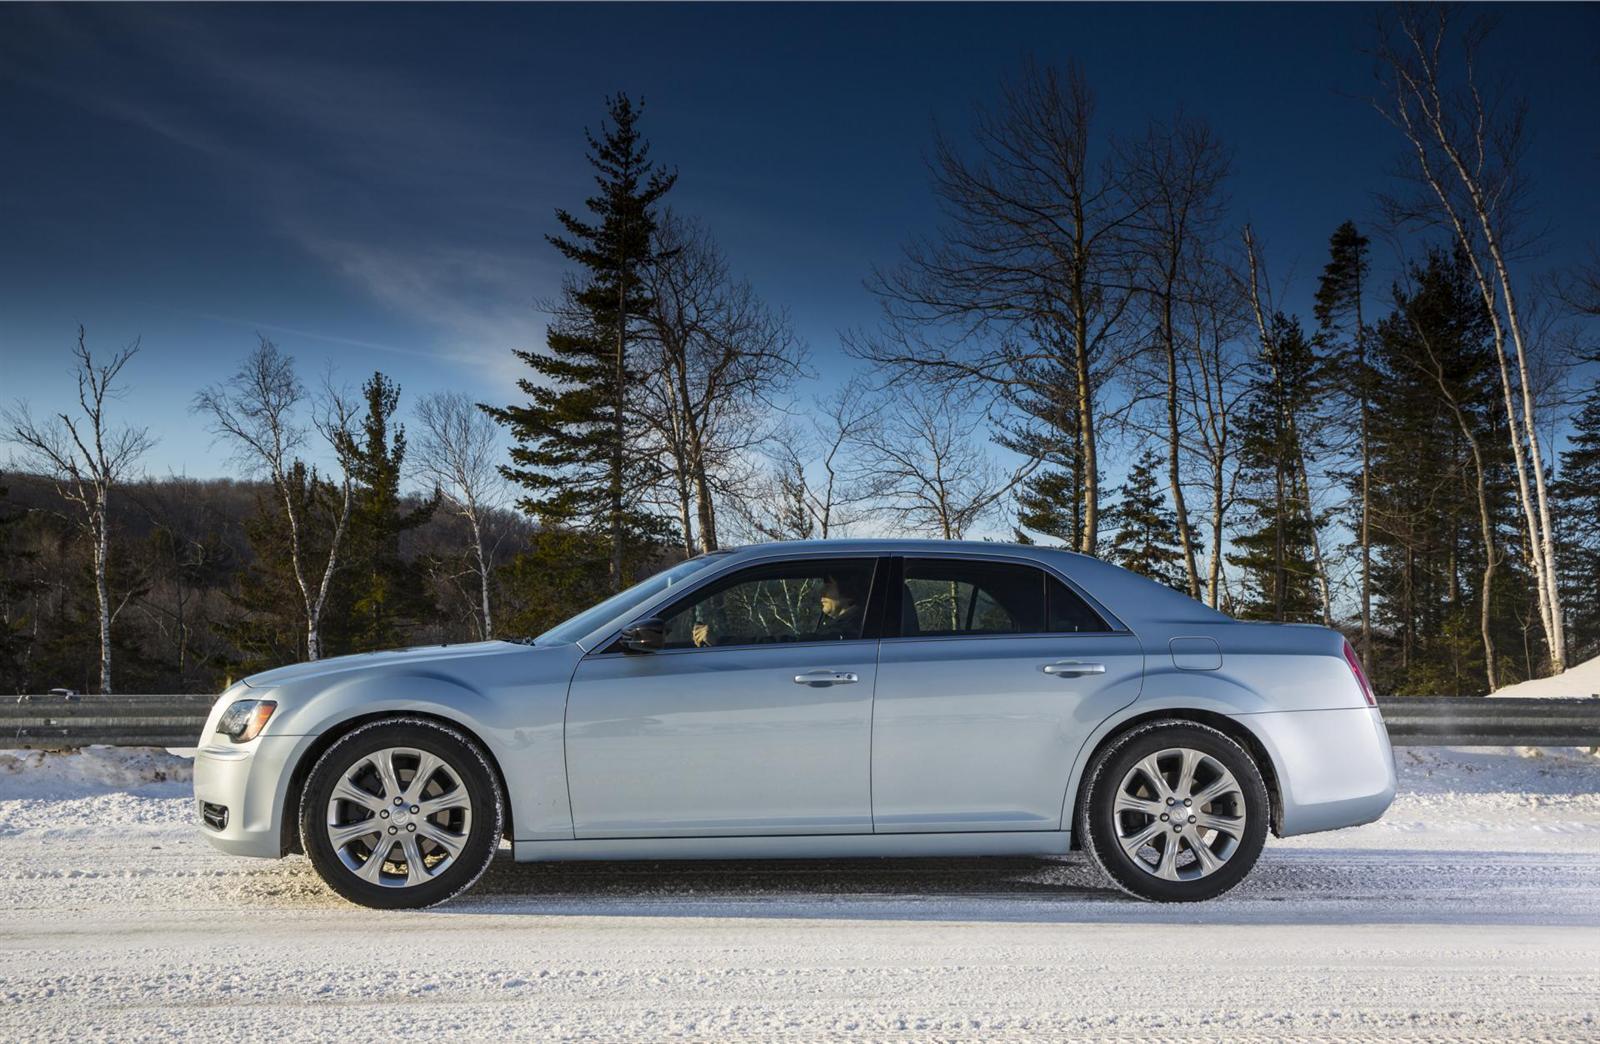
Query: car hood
x=422 y=654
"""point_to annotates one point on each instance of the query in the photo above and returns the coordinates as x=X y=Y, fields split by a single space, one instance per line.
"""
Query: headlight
x=244 y=719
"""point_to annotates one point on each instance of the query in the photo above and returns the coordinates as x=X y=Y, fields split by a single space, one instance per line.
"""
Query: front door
x=995 y=677
x=755 y=718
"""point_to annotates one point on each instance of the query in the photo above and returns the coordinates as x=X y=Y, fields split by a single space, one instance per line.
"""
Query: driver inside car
x=840 y=612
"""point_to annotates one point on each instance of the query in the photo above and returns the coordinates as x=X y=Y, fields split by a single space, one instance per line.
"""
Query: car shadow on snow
x=1377 y=887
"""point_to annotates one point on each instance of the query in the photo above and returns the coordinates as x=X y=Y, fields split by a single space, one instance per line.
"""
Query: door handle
x=821 y=678
x=1073 y=668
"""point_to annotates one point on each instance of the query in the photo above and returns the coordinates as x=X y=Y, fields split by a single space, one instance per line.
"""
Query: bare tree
x=1178 y=171
x=814 y=484
x=1024 y=290
x=257 y=411
x=715 y=357
x=1214 y=387
x=1464 y=154
x=935 y=474
x=87 y=457
x=459 y=455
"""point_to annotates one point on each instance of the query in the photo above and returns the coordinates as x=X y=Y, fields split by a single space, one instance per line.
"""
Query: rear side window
x=953 y=596
x=1069 y=612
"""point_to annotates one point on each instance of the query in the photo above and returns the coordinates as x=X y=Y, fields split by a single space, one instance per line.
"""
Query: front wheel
x=401 y=814
x=1174 y=811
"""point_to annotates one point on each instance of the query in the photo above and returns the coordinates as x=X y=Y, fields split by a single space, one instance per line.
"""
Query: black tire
x=464 y=757
x=1097 y=818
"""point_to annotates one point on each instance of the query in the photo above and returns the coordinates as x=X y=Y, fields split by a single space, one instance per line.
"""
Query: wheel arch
x=289 y=828
x=1229 y=726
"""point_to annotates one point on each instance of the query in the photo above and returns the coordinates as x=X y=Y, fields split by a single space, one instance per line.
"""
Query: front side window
x=766 y=605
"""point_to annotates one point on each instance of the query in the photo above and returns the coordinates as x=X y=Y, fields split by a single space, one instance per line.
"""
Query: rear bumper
x=1335 y=767
x=249 y=781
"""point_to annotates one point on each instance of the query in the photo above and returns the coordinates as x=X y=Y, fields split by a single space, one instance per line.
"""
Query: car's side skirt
x=802 y=846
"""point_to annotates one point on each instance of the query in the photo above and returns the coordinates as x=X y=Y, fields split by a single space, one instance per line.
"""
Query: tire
x=1138 y=828
x=435 y=842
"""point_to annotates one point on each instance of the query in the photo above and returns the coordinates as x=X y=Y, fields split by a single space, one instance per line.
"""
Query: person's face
x=834 y=601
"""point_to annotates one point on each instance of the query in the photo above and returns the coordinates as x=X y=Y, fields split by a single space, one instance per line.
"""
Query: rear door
x=991 y=675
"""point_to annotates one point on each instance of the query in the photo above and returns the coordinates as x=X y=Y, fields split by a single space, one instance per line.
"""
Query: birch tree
x=459 y=455
x=257 y=412
x=1464 y=150
x=87 y=456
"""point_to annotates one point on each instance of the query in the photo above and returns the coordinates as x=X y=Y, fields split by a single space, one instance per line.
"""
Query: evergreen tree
x=1051 y=502
x=574 y=434
x=1274 y=550
x=1342 y=329
x=1147 y=529
x=15 y=587
x=1578 y=494
x=389 y=593
x=1434 y=357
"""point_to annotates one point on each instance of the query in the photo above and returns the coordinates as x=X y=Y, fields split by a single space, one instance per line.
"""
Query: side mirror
x=644 y=636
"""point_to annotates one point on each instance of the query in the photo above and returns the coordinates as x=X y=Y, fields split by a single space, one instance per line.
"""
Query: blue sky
x=370 y=185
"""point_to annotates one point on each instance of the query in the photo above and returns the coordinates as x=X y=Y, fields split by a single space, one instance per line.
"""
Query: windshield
x=619 y=604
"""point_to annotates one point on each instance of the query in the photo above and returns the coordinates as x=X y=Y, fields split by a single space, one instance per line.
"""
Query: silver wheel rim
x=1179 y=814
x=399 y=817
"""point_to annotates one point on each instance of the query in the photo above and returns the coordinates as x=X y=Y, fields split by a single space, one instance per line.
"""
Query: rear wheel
x=1174 y=811
x=401 y=814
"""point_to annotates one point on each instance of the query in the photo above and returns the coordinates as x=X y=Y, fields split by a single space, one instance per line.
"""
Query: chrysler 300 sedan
x=821 y=699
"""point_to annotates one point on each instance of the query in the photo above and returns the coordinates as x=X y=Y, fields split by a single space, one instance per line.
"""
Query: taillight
x=1354 y=661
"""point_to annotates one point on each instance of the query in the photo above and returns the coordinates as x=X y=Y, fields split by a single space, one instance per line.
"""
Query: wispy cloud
x=413 y=195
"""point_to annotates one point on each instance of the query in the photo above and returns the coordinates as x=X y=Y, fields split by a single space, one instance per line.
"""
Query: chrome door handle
x=1073 y=668
x=820 y=678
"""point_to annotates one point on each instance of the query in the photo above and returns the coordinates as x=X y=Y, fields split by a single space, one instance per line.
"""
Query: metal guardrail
x=119 y=721
x=176 y=721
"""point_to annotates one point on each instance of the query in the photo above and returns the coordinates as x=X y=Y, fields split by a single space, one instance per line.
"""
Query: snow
x=1581 y=679
x=1467 y=913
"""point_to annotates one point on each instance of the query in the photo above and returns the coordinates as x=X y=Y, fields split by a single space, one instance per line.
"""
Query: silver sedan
x=823 y=699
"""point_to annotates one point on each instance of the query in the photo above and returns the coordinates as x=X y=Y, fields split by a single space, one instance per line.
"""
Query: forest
x=1414 y=460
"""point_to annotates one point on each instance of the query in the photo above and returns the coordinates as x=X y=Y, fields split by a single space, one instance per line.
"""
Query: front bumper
x=250 y=781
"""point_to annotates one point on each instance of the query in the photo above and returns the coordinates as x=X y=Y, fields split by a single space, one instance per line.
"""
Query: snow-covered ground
x=1472 y=911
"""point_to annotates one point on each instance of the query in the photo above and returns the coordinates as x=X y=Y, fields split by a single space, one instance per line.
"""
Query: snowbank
x=39 y=774
x=1579 y=680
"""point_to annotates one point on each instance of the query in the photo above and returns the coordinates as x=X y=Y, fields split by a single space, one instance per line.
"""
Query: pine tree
x=15 y=587
x=1274 y=547
x=574 y=434
x=389 y=592
x=1147 y=529
x=1578 y=494
x=1342 y=327
x=1435 y=428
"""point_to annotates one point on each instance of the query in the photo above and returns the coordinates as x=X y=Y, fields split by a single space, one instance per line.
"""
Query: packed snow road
x=1469 y=913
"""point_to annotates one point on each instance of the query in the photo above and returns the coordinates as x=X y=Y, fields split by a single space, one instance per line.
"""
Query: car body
x=906 y=740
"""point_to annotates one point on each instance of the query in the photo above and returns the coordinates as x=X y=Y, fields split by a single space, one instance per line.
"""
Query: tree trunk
x=103 y=594
x=1174 y=446
x=483 y=575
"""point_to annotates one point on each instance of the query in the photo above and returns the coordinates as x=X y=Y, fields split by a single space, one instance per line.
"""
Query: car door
x=754 y=718
x=988 y=687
